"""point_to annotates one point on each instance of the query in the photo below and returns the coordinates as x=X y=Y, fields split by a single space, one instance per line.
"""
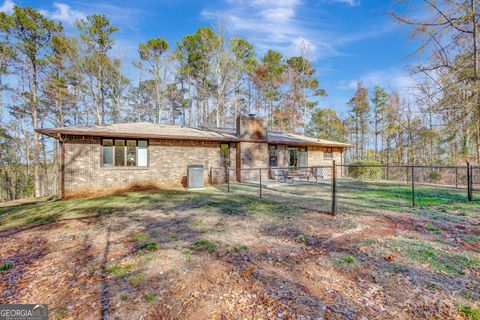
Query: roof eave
x=55 y=134
x=309 y=144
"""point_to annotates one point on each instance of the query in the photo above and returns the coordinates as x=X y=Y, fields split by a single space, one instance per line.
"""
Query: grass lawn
x=211 y=255
x=358 y=195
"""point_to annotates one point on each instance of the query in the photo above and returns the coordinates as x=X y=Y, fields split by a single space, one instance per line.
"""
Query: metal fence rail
x=338 y=188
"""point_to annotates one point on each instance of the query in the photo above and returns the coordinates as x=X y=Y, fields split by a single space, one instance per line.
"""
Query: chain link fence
x=383 y=187
x=343 y=188
x=308 y=188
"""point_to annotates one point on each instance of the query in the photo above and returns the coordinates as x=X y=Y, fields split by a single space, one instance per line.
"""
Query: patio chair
x=279 y=175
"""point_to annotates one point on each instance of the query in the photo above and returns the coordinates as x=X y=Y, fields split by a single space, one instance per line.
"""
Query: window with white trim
x=124 y=153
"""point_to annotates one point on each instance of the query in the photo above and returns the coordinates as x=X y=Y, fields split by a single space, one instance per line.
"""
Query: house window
x=121 y=152
x=225 y=154
x=142 y=153
x=131 y=153
x=328 y=153
x=107 y=153
x=273 y=155
x=297 y=157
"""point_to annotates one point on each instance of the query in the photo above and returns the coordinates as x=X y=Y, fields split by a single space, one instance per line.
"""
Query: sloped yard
x=213 y=255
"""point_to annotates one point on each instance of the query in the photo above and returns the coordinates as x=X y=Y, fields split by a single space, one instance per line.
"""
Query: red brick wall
x=253 y=155
x=168 y=161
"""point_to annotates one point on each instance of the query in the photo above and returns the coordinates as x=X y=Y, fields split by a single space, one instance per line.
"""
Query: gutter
x=56 y=134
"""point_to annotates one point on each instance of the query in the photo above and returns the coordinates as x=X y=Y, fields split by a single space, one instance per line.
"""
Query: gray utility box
x=195 y=176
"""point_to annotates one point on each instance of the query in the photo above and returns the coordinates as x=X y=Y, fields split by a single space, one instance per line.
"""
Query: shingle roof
x=292 y=137
x=162 y=131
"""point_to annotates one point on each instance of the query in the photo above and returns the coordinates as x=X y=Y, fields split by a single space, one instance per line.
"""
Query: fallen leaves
x=247 y=273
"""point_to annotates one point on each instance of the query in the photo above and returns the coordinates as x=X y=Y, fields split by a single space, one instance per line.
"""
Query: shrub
x=136 y=279
x=433 y=228
x=205 y=245
x=469 y=312
x=187 y=253
x=149 y=246
x=142 y=236
x=6 y=266
x=240 y=247
x=303 y=238
x=347 y=260
x=118 y=270
x=434 y=175
x=365 y=169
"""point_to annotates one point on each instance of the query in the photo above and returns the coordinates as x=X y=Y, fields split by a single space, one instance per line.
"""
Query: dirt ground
x=210 y=258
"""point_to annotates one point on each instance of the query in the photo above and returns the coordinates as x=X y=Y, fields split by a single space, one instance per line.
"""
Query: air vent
x=195 y=176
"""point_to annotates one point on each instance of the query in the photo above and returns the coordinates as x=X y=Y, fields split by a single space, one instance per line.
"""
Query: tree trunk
x=475 y=71
x=36 y=147
x=376 y=135
x=158 y=101
x=356 y=139
x=249 y=97
x=102 y=94
x=45 y=179
x=56 y=169
x=1 y=100
x=478 y=141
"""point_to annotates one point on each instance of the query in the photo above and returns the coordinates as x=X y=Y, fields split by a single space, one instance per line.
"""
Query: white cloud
x=63 y=12
x=7 y=6
x=389 y=79
x=304 y=47
x=352 y=3
x=283 y=25
x=270 y=24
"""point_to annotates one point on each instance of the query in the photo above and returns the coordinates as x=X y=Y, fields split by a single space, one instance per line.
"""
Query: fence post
x=413 y=185
x=334 y=188
x=456 y=177
x=260 y=170
x=469 y=182
x=228 y=179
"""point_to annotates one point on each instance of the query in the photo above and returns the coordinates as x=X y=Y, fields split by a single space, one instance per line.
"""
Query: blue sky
x=347 y=40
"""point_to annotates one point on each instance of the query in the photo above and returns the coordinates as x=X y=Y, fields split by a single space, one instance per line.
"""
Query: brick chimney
x=251 y=127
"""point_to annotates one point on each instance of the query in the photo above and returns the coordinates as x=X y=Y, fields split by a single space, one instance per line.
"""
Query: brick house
x=121 y=156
